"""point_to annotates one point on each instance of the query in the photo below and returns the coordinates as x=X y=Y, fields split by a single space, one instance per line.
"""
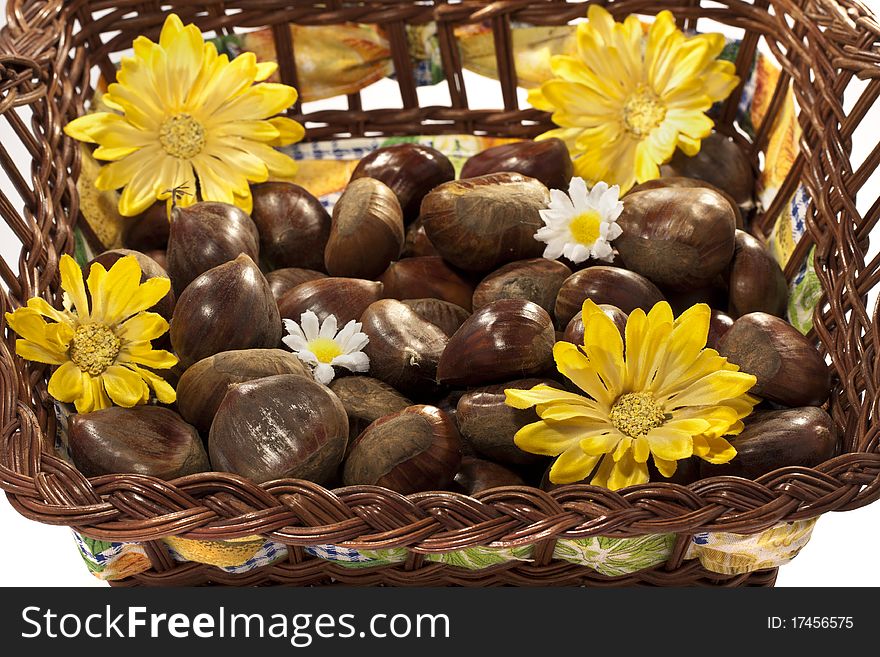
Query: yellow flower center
x=642 y=112
x=636 y=413
x=94 y=348
x=585 y=227
x=325 y=349
x=182 y=136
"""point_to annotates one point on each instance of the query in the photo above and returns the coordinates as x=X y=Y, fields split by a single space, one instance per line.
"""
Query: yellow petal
x=714 y=388
x=122 y=283
x=165 y=394
x=548 y=439
x=147 y=295
x=603 y=346
x=558 y=412
x=603 y=441
x=666 y=468
x=143 y=326
x=125 y=387
x=573 y=364
x=259 y=102
x=39 y=353
x=543 y=394
x=66 y=384
x=280 y=165
x=42 y=306
x=627 y=472
x=94 y=397
x=670 y=444
x=142 y=353
x=641 y=449
x=265 y=70
x=714 y=449
x=289 y=131
x=571 y=466
x=72 y=283
x=87 y=127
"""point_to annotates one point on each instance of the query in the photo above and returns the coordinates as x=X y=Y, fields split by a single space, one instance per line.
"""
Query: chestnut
x=410 y=170
x=789 y=368
x=480 y=223
x=476 y=475
x=149 y=230
x=365 y=400
x=444 y=315
x=504 y=340
x=283 y=426
x=537 y=280
x=547 y=160
x=719 y=324
x=680 y=238
x=282 y=280
x=416 y=242
x=679 y=181
x=613 y=286
x=346 y=298
x=426 y=277
x=293 y=226
x=756 y=281
x=367 y=230
x=414 y=450
x=206 y=235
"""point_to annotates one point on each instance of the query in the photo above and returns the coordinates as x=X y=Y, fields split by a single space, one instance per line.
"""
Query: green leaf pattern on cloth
x=616 y=556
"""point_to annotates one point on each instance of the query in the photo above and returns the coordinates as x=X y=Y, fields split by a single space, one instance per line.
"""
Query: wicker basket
x=50 y=49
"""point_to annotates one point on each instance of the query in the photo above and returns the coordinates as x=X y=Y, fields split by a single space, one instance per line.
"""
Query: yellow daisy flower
x=185 y=111
x=666 y=396
x=99 y=349
x=624 y=102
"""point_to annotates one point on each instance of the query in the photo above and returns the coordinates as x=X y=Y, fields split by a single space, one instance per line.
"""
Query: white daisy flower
x=581 y=223
x=322 y=348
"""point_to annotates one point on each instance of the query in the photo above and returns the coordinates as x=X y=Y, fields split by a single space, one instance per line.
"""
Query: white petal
x=577 y=253
x=295 y=342
x=601 y=249
x=324 y=373
x=293 y=328
x=355 y=343
x=309 y=324
x=356 y=362
x=559 y=201
x=613 y=232
x=328 y=328
x=597 y=193
x=345 y=334
x=307 y=356
x=577 y=190
x=554 y=249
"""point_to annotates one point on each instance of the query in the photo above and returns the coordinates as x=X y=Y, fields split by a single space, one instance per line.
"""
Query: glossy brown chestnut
x=149 y=269
x=426 y=277
x=537 y=280
x=444 y=315
x=203 y=386
x=687 y=471
x=146 y=440
x=713 y=295
x=574 y=332
x=293 y=226
x=279 y=427
x=416 y=242
x=346 y=298
x=720 y=162
x=789 y=369
x=149 y=230
x=504 y=340
x=680 y=181
x=476 y=475
x=367 y=230
x=756 y=281
x=719 y=324
x=416 y=449
x=680 y=238
x=546 y=160
x=802 y=437
x=228 y=307
x=605 y=285
x=365 y=400
x=404 y=349
x=488 y=424
x=206 y=235
x=282 y=280
x=410 y=170
x=480 y=223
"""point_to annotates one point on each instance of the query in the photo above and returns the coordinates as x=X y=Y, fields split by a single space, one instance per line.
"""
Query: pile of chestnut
x=449 y=284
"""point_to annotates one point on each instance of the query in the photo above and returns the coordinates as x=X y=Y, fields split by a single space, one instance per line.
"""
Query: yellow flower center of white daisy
x=636 y=413
x=585 y=227
x=642 y=112
x=325 y=349
x=182 y=136
x=94 y=348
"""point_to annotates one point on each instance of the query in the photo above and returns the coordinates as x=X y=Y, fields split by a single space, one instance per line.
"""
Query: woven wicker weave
x=49 y=50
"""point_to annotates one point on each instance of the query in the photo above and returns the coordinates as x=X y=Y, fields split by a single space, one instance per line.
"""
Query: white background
x=842 y=552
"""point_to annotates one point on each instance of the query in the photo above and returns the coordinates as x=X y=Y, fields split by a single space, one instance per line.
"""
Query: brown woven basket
x=50 y=49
